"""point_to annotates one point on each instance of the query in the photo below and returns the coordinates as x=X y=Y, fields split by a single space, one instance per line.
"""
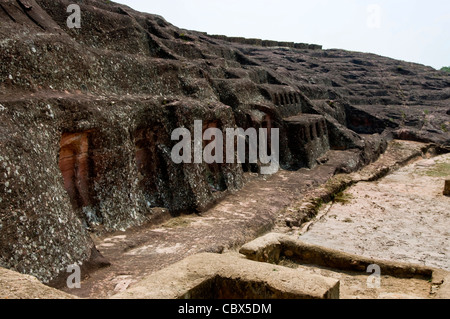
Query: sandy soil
x=403 y=217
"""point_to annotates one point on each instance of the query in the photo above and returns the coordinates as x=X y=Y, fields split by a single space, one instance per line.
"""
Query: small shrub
x=343 y=198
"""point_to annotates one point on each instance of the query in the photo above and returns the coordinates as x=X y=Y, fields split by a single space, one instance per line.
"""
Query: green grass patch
x=178 y=222
x=440 y=170
x=342 y=198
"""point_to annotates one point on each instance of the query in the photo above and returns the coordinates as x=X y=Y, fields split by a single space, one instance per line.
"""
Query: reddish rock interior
x=74 y=165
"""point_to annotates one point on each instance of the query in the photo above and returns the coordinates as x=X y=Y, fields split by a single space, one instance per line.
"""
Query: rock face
x=213 y=276
x=17 y=286
x=87 y=116
x=447 y=188
x=308 y=138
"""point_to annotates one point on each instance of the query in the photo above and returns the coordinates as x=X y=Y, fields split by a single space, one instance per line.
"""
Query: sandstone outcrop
x=87 y=115
x=447 y=188
x=17 y=286
x=226 y=276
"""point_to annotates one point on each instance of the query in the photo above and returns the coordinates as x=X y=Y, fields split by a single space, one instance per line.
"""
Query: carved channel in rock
x=26 y=12
x=4 y=14
x=223 y=288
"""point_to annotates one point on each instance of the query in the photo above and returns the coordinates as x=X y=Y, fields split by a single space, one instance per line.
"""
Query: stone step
x=228 y=276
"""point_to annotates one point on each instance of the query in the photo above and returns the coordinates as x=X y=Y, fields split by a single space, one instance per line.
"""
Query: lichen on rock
x=87 y=115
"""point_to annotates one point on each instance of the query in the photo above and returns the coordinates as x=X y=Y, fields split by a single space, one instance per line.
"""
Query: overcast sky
x=410 y=30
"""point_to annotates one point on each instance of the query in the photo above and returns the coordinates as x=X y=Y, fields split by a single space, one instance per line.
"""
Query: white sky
x=410 y=30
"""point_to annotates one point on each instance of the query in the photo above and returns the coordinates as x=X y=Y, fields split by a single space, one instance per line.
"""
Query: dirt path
x=402 y=217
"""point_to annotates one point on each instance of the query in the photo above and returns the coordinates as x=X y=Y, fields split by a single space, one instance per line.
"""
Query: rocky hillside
x=87 y=115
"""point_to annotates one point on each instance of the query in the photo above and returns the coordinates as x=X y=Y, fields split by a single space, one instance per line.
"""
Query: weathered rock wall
x=87 y=115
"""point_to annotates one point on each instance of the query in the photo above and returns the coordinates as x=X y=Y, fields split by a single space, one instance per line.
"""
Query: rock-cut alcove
x=78 y=170
x=214 y=171
x=152 y=166
x=74 y=165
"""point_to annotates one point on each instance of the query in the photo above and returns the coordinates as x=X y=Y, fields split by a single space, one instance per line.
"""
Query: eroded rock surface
x=87 y=114
x=397 y=280
x=403 y=217
x=227 y=276
x=17 y=286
